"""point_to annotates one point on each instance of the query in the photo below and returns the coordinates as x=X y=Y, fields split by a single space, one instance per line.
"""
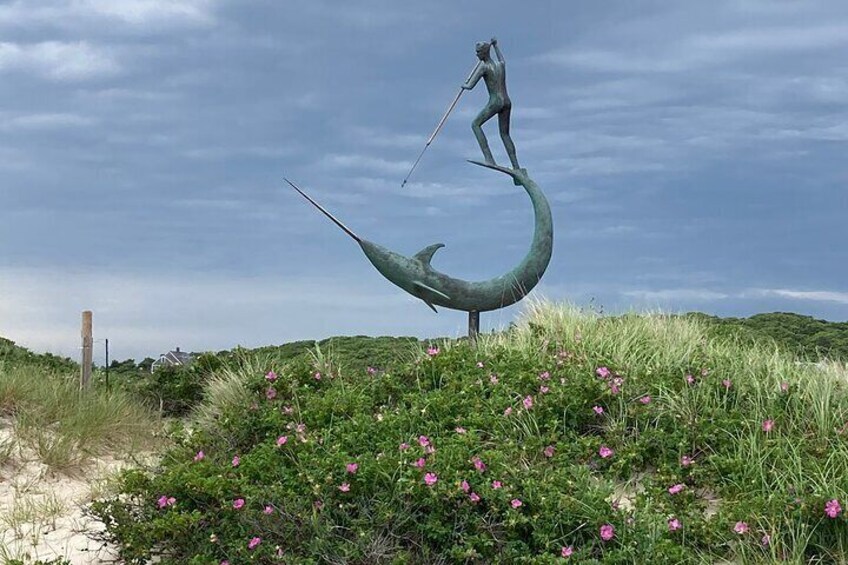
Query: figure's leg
x=503 y=125
x=476 y=126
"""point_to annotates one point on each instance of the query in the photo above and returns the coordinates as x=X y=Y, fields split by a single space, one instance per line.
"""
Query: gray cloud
x=58 y=60
x=76 y=14
x=692 y=153
x=815 y=295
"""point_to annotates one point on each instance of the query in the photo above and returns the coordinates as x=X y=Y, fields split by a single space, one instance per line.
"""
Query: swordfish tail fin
x=333 y=218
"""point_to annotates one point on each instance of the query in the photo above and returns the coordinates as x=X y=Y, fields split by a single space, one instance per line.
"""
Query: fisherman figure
x=494 y=74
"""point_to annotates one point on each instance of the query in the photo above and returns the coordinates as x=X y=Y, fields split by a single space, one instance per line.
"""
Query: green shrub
x=521 y=409
x=14 y=356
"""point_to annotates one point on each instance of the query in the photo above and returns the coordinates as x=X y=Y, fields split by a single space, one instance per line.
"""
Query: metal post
x=87 y=342
x=473 y=326
x=440 y=124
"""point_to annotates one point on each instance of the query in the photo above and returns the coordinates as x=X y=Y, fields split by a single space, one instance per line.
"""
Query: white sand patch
x=41 y=512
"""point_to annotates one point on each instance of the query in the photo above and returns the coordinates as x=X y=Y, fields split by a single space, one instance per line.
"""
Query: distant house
x=172 y=359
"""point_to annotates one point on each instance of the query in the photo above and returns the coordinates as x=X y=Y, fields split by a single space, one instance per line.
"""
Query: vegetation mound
x=15 y=356
x=633 y=439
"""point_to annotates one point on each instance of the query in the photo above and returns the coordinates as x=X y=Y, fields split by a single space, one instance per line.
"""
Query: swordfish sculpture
x=416 y=275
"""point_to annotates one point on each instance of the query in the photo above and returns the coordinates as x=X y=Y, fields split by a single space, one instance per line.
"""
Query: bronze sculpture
x=493 y=74
x=415 y=274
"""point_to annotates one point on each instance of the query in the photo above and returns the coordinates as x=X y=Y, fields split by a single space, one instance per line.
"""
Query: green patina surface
x=416 y=276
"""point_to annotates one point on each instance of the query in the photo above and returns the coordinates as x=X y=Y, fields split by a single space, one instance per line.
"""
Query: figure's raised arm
x=494 y=43
x=475 y=77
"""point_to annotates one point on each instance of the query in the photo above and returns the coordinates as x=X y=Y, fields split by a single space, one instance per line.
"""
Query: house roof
x=176 y=357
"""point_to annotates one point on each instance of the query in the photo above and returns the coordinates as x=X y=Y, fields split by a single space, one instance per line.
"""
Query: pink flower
x=288 y=410
x=676 y=488
x=432 y=351
x=465 y=486
x=516 y=503
x=200 y=455
x=474 y=497
x=567 y=551
x=727 y=384
x=318 y=504
x=605 y=452
x=598 y=410
x=352 y=468
x=493 y=378
x=404 y=446
x=496 y=484
x=430 y=479
x=421 y=463
x=236 y=461
x=603 y=372
x=254 y=542
x=784 y=386
x=607 y=532
x=549 y=451
x=268 y=509
x=544 y=389
x=740 y=527
x=479 y=364
x=508 y=411
x=768 y=425
x=163 y=501
x=317 y=376
x=674 y=524
x=344 y=487
x=429 y=449
x=224 y=562
x=528 y=402
x=766 y=540
x=478 y=464
x=370 y=370
x=645 y=400
x=271 y=376
x=171 y=501
x=686 y=461
x=460 y=430
x=282 y=440
x=238 y=503
x=270 y=394
x=832 y=508
x=301 y=428
x=423 y=441
x=690 y=379
x=544 y=376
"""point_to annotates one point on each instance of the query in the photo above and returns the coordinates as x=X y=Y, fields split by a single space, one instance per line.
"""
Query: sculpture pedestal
x=473 y=326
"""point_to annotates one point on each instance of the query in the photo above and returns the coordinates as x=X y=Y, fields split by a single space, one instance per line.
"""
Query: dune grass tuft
x=65 y=427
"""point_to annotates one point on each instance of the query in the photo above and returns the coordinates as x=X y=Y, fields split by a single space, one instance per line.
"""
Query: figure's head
x=482 y=49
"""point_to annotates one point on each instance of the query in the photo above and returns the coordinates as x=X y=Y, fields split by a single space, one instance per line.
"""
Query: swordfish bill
x=416 y=276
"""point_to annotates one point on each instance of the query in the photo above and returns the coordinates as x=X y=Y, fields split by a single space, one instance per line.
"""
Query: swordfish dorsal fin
x=426 y=254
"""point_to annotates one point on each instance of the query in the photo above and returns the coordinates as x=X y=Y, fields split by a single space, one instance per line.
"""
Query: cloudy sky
x=694 y=154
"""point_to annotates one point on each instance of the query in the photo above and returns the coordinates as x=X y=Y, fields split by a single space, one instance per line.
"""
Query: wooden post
x=87 y=344
x=107 y=364
x=473 y=327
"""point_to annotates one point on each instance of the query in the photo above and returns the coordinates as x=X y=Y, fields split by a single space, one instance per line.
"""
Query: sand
x=41 y=512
